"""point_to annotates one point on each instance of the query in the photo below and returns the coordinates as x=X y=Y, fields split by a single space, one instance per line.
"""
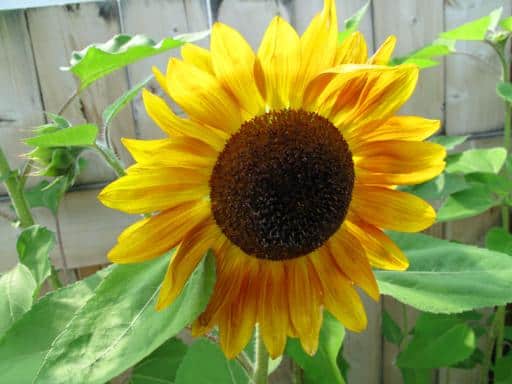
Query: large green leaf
x=446 y=277
x=119 y=325
x=26 y=343
x=161 y=365
x=98 y=60
x=476 y=29
x=322 y=367
x=439 y=188
x=476 y=160
x=438 y=341
x=78 y=135
x=352 y=23
x=113 y=109
x=34 y=245
x=467 y=203
x=499 y=239
x=17 y=287
x=205 y=363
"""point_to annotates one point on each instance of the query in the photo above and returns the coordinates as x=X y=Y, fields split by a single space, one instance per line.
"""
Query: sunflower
x=287 y=167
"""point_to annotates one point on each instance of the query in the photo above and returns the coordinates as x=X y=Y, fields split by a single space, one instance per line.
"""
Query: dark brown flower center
x=282 y=185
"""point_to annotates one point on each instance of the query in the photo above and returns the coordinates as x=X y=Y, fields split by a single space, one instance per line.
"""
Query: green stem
x=10 y=179
x=260 y=374
x=54 y=278
x=500 y=331
x=111 y=159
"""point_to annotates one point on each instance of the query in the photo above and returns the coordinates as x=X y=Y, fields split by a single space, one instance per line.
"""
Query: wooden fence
x=35 y=42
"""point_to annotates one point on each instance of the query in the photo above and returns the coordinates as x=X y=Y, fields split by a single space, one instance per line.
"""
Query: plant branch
x=68 y=101
x=110 y=158
x=61 y=249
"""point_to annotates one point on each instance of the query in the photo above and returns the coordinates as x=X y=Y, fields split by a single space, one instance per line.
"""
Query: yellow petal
x=154 y=189
x=197 y=56
x=350 y=256
x=161 y=79
x=279 y=56
x=409 y=128
x=202 y=96
x=273 y=316
x=396 y=162
x=185 y=260
x=340 y=298
x=152 y=237
x=318 y=48
x=383 y=54
x=352 y=50
x=304 y=302
x=391 y=209
x=180 y=151
x=233 y=64
x=173 y=125
x=381 y=251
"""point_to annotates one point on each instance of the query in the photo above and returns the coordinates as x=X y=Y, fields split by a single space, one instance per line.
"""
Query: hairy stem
x=111 y=159
x=261 y=361
x=61 y=249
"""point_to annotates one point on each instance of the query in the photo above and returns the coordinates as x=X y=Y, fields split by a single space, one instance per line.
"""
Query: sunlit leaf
x=352 y=23
x=34 y=245
x=476 y=160
x=424 y=57
x=79 y=135
x=476 y=29
x=467 y=203
x=214 y=367
x=98 y=60
x=506 y=23
x=446 y=277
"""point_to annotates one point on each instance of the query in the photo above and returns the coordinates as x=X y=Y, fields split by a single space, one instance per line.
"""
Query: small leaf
x=499 y=239
x=17 y=288
x=439 y=188
x=467 y=203
x=423 y=57
x=438 y=341
x=20 y=360
x=59 y=121
x=214 y=367
x=47 y=195
x=476 y=358
x=476 y=160
x=34 y=245
x=113 y=109
x=98 y=60
x=504 y=90
x=79 y=135
x=391 y=331
x=352 y=23
x=161 y=365
x=321 y=368
x=506 y=23
x=449 y=142
x=446 y=277
x=476 y=29
x=119 y=325
x=494 y=183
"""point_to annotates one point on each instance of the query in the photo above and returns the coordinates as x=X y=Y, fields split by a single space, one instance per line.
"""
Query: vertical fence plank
x=417 y=23
x=56 y=32
x=20 y=107
x=161 y=19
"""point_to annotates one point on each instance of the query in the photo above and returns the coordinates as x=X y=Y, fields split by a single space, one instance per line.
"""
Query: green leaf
x=34 y=245
x=449 y=142
x=476 y=29
x=504 y=90
x=352 y=23
x=119 y=325
x=17 y=288
x=506 y=23
x=321 y=368
x=79 y=135
x=391 y=331
x=161 y=365
x=416 y=376
x=46 y=195
x=477 y=357
x=439 y=188
x=438 y=341
x=503 y=370
x=476 y=160
x=41 y=325
x=205 y=363
x=467 y=203
x=499 y=239
x=98 y=60
x=446 y=277
x=424 y=56
x=494 y=183
x=113 y=109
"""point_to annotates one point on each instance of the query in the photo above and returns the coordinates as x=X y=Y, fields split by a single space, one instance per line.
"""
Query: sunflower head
x=286 y=166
